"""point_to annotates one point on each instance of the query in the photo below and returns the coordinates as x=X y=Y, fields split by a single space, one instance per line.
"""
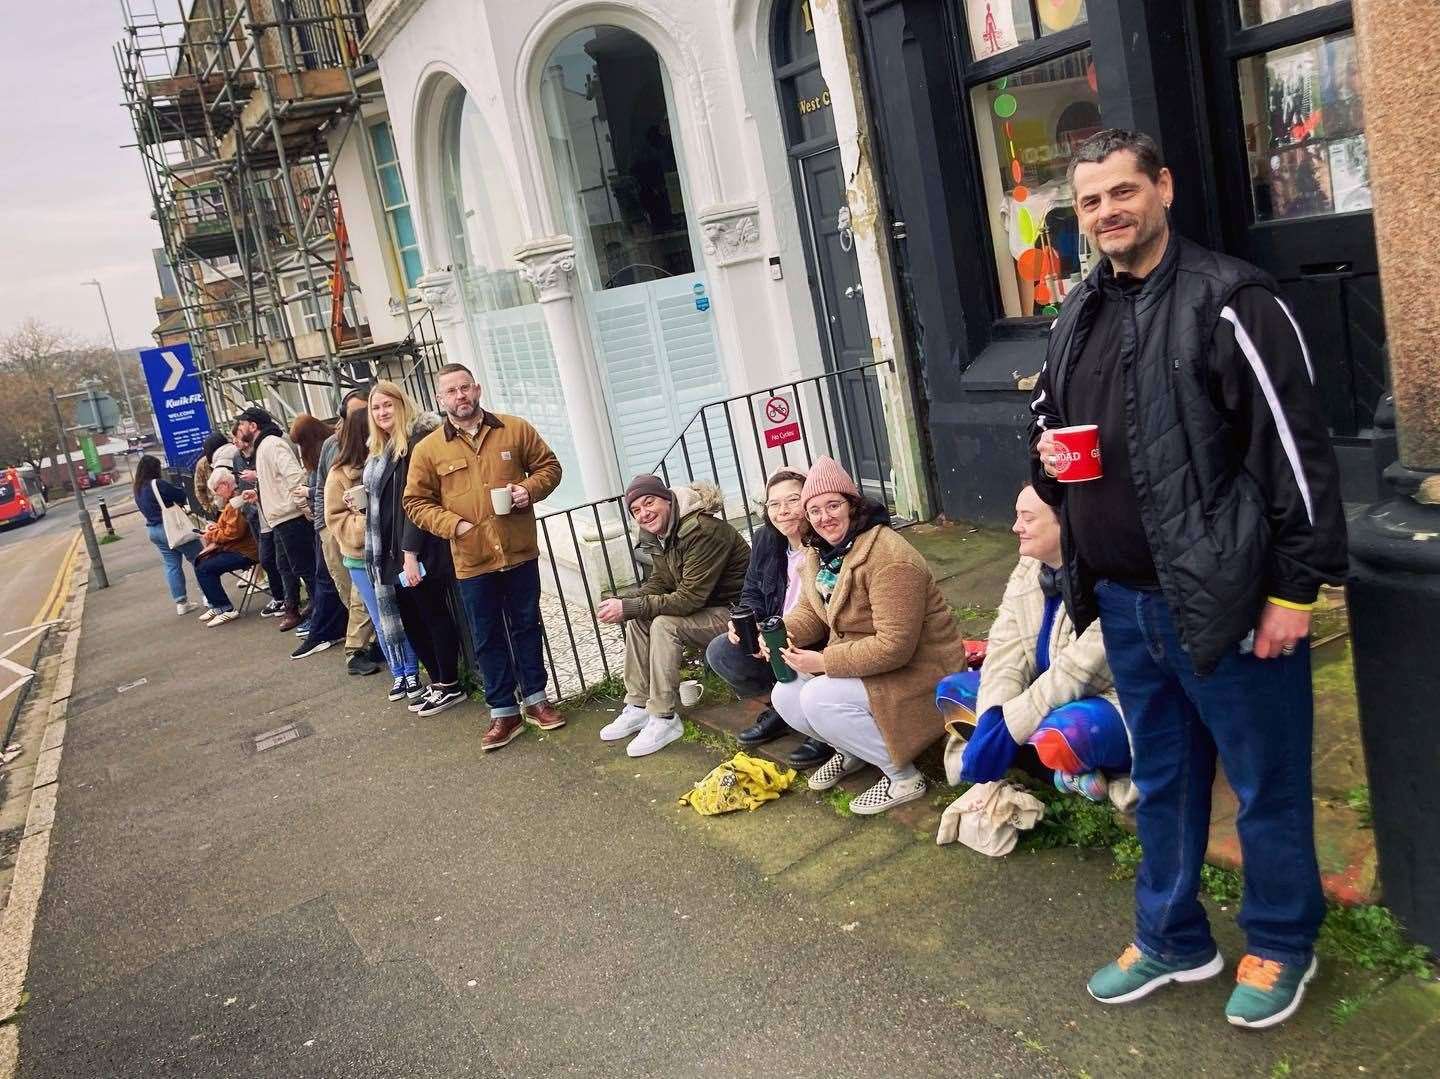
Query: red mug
x=1077 y=453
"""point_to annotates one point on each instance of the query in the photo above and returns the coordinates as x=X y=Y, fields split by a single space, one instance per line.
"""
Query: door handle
x=1325 y=269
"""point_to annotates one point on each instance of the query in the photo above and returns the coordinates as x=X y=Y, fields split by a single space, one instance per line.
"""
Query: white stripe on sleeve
x=1282 y=424
x=1304 y=349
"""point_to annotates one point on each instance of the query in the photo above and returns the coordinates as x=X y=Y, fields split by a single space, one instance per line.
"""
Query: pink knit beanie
x=827 y=478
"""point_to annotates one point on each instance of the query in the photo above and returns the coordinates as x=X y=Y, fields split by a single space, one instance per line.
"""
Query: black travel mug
x=773 y=630
x=746 y=628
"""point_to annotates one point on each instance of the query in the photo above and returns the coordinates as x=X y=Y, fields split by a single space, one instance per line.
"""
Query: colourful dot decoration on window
x=1005 y=106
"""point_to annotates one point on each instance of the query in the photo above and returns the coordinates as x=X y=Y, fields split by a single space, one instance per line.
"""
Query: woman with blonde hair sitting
x=889 y=638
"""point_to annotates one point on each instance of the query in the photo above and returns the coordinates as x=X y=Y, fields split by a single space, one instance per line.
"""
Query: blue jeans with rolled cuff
x=504 y=612
x=1256 y=716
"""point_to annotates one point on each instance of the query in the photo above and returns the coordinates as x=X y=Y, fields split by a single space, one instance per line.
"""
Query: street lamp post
x=115 y=349
x=87 y=527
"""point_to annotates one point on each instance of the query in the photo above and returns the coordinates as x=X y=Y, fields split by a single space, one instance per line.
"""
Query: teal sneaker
x=1267 y=992
x=1135 y=975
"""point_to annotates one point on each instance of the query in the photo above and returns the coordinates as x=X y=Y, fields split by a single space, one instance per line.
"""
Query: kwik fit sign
x=179 y=405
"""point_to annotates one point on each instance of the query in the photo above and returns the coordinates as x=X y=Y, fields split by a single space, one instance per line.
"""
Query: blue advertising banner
x=180 y=411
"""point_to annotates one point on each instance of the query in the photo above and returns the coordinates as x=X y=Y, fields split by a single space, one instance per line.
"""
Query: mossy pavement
x=1015 y=938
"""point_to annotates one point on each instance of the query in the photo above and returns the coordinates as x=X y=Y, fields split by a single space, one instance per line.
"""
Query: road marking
x=51 y=607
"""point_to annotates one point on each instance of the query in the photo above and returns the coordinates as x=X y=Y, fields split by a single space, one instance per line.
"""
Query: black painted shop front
x=1257 y=109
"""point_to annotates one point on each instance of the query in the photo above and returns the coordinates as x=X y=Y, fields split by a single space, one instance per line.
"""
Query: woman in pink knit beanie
x=870 y=637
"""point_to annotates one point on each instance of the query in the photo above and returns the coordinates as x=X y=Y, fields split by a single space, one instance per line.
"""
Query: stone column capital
x=548 y=263
x=731 y=231
x=441 y=292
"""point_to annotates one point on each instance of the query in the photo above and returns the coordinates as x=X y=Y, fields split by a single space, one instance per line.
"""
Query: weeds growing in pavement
x=1072 y=821
x=110 y=537
x=1358 y=799
x=839 y=800
x=1225 y=886
x=608 y=689
x=704 y=736
x=1371 y=938
x=1280 y=1068
x=1345 y=1007
x=1127 y=858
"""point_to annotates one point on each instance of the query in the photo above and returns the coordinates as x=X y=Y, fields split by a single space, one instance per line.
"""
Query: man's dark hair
x=1112 y=140
x=454 y=369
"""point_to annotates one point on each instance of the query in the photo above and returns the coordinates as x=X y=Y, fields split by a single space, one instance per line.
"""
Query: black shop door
x=840 y=304
x=1295 y=189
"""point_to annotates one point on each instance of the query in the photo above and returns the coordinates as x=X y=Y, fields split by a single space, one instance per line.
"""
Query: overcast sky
x=73 y=204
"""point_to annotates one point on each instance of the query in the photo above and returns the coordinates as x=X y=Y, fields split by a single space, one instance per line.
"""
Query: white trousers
x=837 y=711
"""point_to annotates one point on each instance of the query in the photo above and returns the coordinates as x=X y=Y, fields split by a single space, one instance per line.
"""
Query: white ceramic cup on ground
x=690 y=693
x=358 y=497
x=502 y=500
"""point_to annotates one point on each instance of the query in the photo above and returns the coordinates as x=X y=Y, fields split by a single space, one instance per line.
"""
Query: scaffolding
x=240 y=110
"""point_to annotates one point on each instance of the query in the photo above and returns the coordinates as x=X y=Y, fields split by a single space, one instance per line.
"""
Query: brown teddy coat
x=889 y=626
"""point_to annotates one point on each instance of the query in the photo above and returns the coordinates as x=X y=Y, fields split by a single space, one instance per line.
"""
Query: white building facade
x=625 y=210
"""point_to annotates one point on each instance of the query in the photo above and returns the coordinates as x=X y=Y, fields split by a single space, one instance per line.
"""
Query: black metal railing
x=826 y=416
x=593 y=552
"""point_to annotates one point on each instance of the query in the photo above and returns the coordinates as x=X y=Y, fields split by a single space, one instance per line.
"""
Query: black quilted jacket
x=1234 y=474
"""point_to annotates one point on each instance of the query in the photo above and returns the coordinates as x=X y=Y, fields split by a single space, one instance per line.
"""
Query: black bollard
x=105 y=516
x=1394 y=606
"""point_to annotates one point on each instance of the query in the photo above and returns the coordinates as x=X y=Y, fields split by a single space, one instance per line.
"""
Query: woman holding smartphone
x=411 y=565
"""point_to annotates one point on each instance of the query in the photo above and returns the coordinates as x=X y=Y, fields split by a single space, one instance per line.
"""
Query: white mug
x=359 y=497
x=690 y=693
x=501 y=500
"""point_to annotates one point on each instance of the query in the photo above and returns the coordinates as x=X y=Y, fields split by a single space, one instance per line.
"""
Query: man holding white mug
x=475 y=481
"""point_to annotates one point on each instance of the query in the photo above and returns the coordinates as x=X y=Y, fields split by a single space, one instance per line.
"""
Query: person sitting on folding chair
x=228 y=546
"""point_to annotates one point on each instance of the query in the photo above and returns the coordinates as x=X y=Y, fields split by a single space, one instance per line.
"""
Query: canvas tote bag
x=179 y=528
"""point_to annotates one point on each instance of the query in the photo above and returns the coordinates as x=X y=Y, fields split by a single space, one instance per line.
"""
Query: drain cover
x=280 y=736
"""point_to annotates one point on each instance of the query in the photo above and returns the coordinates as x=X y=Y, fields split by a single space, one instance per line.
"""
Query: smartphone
x=400 y=580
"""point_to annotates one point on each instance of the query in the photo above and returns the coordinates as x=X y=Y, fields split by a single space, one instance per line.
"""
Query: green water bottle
x=773 y=630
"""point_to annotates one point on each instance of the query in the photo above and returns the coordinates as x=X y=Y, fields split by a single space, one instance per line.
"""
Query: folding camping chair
x=249 y=582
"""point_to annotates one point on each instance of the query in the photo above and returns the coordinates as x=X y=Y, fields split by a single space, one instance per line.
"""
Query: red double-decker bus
x=20 y=499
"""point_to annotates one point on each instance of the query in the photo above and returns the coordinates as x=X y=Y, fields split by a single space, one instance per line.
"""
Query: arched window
x=483 y=227
x=620 y=183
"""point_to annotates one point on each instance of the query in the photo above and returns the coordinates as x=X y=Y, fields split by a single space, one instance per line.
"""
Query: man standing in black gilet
x=1201 y=549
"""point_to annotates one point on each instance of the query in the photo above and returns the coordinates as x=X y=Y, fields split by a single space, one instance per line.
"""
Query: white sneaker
x=887 y=794
x=833 y=771
x=631 y=718
x=658 y=733
x=207 y=614
x=223 y=617
x=184 y=607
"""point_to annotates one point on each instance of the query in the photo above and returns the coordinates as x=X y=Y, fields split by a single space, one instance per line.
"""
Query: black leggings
x=430 y=624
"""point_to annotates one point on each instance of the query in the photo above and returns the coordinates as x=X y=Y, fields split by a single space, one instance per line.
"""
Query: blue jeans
x=1257 y=715
x=209 y=570
x=399 y=656
x=504 y=612
x=174 y=559
x=747 y=676
x=328 y=615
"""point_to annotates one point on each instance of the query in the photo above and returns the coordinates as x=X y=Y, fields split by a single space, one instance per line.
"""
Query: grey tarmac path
x=380 y=898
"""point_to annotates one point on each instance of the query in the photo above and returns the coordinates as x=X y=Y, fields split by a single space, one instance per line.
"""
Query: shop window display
x=1305 y=130
x=1028 y=124
x=1259 y=12
x=997 y=26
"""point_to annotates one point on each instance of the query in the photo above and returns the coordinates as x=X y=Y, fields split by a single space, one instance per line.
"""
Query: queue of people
x=1156 y=621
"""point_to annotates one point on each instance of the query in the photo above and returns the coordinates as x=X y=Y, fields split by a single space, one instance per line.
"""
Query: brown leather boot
x=544 y=715
x=290 y=620
x=502 y=732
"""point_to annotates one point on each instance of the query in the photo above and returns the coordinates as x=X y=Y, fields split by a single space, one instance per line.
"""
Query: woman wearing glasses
x=870 y=637
x=772 y=586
